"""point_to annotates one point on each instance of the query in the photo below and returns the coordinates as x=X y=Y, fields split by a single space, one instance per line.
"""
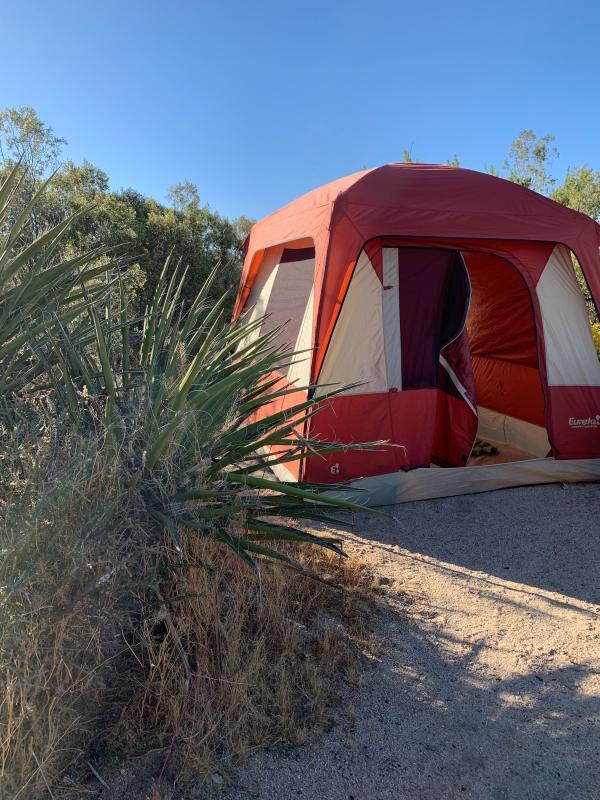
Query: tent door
x=433 y=353
x=504 y=352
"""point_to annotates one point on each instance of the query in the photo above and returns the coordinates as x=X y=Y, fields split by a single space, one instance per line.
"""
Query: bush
x=114 y=639
x=139 y=532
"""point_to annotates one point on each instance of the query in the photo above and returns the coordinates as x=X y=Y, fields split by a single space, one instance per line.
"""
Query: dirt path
x=489 y=685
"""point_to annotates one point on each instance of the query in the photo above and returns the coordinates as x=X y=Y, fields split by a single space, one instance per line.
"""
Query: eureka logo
x=588 y=422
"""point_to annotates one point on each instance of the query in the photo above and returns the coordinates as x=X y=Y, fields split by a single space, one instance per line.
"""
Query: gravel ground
x=489 y=683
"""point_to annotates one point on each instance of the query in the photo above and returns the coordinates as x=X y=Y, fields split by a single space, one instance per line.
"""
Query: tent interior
x=504 y=354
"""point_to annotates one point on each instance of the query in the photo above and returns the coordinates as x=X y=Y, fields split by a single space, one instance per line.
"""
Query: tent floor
x=507 y=468
x=488 y=475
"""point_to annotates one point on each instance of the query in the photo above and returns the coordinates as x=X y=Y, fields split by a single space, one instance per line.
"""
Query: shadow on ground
x=489 y=687
x=489 y=684
x=544 y=536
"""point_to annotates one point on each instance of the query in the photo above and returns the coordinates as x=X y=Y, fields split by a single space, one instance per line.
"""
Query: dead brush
x=116 y=639
x=63 y=579
x=264 y=656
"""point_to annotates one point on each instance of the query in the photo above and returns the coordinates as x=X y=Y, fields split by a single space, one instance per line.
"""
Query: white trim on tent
x=299 y=371
x=460 y=388
x=260 y=293
x=391 y=318
x=283 y=293
x=261 y=289
x=288 y=299
x=571 y=358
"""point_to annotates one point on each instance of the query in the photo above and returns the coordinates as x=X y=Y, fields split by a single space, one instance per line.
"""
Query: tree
x=581 y=191
x=24 y=137
x=243 y=226
x=529 y=160
x=184 y=196
x=144 y=230
x=196 y=236
x=26 y=140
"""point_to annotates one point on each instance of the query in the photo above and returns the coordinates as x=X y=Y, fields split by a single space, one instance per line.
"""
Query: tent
x=450 y=297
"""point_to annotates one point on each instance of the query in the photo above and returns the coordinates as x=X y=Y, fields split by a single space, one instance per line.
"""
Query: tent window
x=355 y=353
x=282 y=295
x=291 y=287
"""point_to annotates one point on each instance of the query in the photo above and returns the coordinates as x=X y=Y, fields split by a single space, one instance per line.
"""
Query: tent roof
x=416 y=200
x=433 y=188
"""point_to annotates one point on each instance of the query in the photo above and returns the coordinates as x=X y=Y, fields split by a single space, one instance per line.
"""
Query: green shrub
x=130 y=453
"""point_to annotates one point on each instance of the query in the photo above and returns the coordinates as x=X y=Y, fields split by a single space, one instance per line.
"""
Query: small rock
x=216 y=778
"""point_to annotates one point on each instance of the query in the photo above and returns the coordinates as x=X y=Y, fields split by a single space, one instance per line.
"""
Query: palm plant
x=161 y=414
x=180 y=397
x=40 y=292
x=177 y=392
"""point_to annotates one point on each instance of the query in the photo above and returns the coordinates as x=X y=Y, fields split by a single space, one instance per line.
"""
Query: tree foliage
x=25 y=138
x=529 y=160
x=581 y=191
x=141 y=228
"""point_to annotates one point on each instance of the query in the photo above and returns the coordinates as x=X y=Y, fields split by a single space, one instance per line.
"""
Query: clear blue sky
x=257 y=102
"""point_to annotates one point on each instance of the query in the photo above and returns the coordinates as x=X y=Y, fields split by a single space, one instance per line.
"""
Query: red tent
x=450 y=297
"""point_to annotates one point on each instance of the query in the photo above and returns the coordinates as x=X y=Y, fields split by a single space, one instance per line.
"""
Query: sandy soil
x=489 y=683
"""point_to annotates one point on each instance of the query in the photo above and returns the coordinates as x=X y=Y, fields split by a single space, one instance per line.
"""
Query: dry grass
x=110 y=435
x=90 y=657
x=263 y=658
x=63 y=577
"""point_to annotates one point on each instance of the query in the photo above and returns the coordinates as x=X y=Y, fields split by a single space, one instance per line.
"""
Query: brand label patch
x=586 y=422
